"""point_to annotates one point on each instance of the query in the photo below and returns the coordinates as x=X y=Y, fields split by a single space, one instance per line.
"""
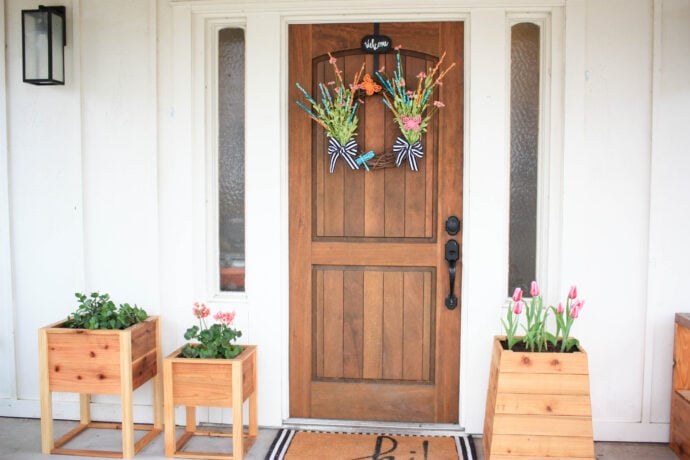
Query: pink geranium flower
x=225 y=317
x=201 y=310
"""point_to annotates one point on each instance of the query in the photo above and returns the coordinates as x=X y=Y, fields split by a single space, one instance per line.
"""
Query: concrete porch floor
x=20 y=439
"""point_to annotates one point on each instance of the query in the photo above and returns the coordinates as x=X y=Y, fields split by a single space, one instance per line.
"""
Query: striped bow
x=348 y=152
x=412 y=152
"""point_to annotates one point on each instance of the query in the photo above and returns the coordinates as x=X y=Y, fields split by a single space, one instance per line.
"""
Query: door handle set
x=452 y=256
x=453 y=226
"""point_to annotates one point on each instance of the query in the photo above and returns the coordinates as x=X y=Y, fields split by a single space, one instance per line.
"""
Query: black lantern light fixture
x=43 y=45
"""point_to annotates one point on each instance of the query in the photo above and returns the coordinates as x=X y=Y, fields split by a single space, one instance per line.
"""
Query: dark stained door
x=370 y=335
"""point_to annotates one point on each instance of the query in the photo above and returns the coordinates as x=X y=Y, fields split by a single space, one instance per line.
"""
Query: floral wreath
x=337 y=114
x=412 y=110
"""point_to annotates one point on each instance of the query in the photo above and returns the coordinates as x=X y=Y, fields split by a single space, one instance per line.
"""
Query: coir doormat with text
x=316 y=445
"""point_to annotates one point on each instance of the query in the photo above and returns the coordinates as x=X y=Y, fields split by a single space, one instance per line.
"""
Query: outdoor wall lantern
x=43 y=45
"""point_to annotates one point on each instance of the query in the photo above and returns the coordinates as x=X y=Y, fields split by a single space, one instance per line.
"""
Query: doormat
x=317 y=445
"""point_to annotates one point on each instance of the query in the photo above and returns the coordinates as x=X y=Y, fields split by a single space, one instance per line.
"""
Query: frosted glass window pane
x=231 y=158
x=524 y=149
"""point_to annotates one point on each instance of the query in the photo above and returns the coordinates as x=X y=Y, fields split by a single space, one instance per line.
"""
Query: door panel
x=370 y=337
x=373 y=324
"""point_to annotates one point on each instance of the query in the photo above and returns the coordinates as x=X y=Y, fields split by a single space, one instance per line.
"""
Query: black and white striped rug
x=318 y=445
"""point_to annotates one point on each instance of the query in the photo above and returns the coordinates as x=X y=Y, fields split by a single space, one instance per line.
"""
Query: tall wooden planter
x=193 y=382
x=87 y=362
x=538 y=406
x=680 y=394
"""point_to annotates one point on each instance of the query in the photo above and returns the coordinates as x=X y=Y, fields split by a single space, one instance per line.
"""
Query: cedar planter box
x=538 y=406
x=680 y=396
x=87 y=362
x=193 y=382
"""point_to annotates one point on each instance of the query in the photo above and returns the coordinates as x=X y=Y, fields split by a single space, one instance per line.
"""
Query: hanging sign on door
x=376 y=44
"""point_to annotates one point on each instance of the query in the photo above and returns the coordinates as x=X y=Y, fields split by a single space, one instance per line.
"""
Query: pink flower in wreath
x=225 y=317
x=332 y=60
x=439 y=104
x=411 y=123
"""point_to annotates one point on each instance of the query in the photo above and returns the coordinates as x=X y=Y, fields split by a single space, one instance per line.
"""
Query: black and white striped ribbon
x=347 y=152
x=406 y=150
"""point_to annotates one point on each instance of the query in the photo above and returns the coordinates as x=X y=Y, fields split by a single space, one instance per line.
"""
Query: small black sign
x=376 y=44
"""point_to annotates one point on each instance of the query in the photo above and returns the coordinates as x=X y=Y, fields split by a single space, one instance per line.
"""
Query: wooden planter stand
x=194 y=382
x=538 y=406
x=680 y=396
x=90 y=362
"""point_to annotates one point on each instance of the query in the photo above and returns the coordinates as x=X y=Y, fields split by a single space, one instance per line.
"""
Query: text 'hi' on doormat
x=316 y=445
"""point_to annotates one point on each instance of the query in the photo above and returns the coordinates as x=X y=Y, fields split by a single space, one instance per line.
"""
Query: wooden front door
x=370 y=335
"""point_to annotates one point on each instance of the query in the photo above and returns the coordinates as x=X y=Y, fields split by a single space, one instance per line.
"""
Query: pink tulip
x=517 y=294
x=517 y=309
x=574 y=312
x=560 y=308
x=573 y=292
x=534 y=289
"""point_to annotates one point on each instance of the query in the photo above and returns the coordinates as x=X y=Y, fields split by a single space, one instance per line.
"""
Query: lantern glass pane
x=231 y=158
x=35 y=45
x=58 y=27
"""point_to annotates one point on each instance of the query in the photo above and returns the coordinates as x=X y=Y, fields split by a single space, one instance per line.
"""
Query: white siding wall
x=669 y=218
x=102 y=183
x=606 y=205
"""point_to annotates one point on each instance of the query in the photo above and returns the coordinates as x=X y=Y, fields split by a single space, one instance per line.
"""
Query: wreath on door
x=412 y=108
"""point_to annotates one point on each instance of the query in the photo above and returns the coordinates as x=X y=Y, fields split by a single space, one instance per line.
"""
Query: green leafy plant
x=97 y=311
x=536 y=336
x=214 y=342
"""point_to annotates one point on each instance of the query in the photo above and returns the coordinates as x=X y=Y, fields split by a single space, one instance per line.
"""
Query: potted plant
x=100 y=349
x=212 y=371
x=538 y=401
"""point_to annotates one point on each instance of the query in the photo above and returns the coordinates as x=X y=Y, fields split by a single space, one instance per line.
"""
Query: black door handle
x=452 y=256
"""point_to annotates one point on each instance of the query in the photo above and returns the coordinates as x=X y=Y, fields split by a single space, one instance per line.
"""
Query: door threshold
x=364 y=427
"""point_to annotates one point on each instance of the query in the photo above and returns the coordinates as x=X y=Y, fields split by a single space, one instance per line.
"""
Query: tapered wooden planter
x=538 y=406
x=193 y=382
x=680 y=390
x=114 y=362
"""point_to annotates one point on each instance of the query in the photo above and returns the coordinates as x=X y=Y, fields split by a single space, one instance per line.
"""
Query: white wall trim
x=7 y=339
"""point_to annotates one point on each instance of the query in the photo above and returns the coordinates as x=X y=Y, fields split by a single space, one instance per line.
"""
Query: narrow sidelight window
x=524 y=153
x=231 y=158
